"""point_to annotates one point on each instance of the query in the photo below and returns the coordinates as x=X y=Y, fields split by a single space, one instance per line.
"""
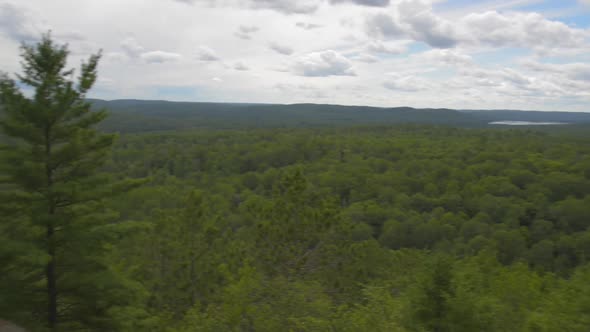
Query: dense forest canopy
x=303 y=227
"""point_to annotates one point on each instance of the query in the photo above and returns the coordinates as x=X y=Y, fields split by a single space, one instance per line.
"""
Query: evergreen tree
x=56 y=228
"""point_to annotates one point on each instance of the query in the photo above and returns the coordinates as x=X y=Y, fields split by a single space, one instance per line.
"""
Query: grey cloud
x=371 y=3
x=71 y=36
x=383 y=25
x=245 y=32
x=290 y=6
x=425 y=25
x=240 y=66
x=248 y=29
x=241 y=35
x=321 y=64
x=159 y=57
x=19 y=24
x=287 y=6
x=282 y=49
x=282 y=6
x=205 y=53
x=416 y=20
x=307 y=26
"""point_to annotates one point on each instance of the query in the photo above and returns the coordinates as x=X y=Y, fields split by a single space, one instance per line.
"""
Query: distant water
x=526 y=123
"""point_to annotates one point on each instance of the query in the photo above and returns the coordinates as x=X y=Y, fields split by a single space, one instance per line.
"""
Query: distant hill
x=155 y=115
x=536 y=116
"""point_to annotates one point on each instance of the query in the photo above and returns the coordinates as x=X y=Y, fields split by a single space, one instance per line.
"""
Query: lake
x=526 y=123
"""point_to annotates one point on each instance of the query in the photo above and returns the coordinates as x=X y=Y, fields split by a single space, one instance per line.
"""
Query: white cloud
x=519 y=30
x=416 y=19
x=445 y=56
x=159 y=57
x=377 y=46
x=205 y=53
x=307 y=26
x=325 y=63
x=367 y=58
x=406 y=83
x=282 y=49
x=132 y=47
x=371 y=3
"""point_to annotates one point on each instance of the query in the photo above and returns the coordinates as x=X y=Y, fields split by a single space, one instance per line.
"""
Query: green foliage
x=57 y=228
x=403 y=228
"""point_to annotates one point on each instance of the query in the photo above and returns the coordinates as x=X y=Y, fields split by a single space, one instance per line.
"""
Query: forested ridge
x=402 y=227
x=133 y=116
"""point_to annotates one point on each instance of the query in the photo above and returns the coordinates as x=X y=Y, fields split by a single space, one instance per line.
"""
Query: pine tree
x=56 y=228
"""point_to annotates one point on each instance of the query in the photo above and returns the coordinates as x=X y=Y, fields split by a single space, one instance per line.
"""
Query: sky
x=463 y=54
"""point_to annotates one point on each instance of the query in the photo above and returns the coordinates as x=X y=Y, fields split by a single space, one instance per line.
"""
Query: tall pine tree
x=55 y=227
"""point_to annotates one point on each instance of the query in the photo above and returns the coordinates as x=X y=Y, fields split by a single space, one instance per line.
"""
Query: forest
x=362 y=227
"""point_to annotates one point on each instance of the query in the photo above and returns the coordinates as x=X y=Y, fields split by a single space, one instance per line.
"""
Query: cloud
x=71 y=36
x=287 y=6
x=451 y=54
x=115 y=57
x=282 y=49
x=425 y=26
x=325 y=63
x=416 y=19
x=20 y=23
x=383 y=25
x=378 y=46
x=366 y=58
x=240 y=66
x=245 y=32
x=159 y=57
x=408 y=83
x=248 y=29
x=447 y=57
x=205 y=53
x=519 y=30
x=304 y=90
x=371 y=3
x=307 y=26
x=132 y=47
x=574 y=71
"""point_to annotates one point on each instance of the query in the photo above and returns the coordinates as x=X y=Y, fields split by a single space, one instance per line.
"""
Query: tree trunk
x=51 y=282
x=50 y=270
